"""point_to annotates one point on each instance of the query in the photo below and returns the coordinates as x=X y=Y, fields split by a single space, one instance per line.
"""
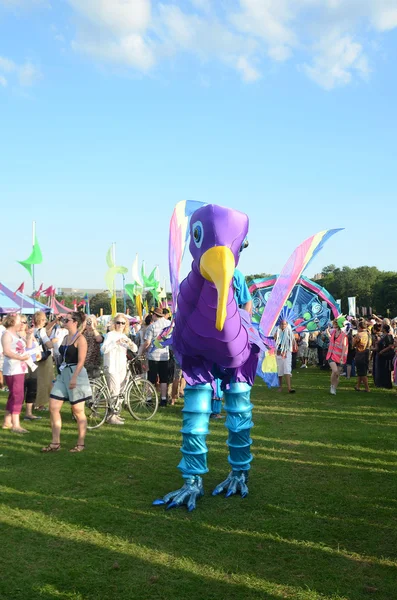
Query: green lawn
x=319 y=523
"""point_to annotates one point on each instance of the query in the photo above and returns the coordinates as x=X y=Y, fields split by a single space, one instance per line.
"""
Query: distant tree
x=371 y=287
x=100 y=301
x=385 y=294
x=249 y=278
x=328 y=270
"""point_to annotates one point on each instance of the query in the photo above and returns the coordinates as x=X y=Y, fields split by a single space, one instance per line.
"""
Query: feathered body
x=205 y=351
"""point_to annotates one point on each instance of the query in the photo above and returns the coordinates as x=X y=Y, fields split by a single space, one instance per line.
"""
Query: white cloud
x=248 y=72
x=385 y=15
x=120 y=16
x=270 y=21
x=113 y=31
x=335 y=61
x=7 y=65
x=26 y=74
x=331 y=41
x=129 y=50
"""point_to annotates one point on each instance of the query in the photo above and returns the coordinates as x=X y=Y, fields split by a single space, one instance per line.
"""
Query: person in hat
x=157 y=357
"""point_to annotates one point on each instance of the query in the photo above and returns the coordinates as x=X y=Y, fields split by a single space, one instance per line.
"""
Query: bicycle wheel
x=97 y=406
x=141 y=399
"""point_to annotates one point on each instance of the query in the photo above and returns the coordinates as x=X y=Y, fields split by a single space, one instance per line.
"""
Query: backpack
x=45 y=353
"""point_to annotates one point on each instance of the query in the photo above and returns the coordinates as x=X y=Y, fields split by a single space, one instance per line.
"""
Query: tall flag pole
x=113 y=301
x=35 y=258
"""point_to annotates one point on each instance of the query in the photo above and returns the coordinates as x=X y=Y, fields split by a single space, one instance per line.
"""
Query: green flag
x=34 y=259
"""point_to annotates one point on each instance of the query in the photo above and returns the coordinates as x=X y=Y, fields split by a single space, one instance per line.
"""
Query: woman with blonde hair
x=14 y=369
x=114 y=350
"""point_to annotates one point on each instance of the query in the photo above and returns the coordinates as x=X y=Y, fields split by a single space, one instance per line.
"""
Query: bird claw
x=187 y=494
x=235 y=482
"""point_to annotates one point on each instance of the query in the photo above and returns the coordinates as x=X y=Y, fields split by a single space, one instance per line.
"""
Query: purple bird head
x=218 y=235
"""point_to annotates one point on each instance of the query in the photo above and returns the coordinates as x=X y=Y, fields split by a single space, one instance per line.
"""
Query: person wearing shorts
x=362 y=344
x=157 y=357
x=72 y=384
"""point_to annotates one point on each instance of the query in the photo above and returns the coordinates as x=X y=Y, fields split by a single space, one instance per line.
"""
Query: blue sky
x=111 y=111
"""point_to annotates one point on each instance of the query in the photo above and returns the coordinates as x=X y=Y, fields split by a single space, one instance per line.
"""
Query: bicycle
x=138 y=395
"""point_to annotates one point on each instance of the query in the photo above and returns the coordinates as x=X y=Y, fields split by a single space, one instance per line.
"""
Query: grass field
x=319 y=522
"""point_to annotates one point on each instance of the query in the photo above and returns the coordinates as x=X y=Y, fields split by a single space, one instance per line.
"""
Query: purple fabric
x=16 y=387
x=202 y=350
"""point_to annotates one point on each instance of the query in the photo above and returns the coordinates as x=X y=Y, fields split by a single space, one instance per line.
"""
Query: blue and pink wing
x=179 y=234
x=296 y=264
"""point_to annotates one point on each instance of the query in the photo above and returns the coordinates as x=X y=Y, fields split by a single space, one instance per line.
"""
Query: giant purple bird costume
x=212 y=339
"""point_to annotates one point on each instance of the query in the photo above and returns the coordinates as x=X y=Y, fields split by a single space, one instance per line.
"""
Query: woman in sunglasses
x=72 y=384
x=114 y=350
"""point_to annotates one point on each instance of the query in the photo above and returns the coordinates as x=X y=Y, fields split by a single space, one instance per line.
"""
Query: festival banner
x=352 y=306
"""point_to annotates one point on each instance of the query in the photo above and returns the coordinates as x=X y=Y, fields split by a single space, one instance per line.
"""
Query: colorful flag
x=138 y=304
x=35 y=257
x=39 y=292
x=50 y=291
x=292 y=270
x=20 y=289
x=110 y=275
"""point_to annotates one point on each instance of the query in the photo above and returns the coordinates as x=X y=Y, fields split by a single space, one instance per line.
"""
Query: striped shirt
x=159 y=354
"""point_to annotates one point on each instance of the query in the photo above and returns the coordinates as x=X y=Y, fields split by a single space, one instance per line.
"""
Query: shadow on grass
x=244 y=575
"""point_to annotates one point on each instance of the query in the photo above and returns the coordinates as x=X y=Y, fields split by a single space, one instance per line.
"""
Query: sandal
x=19 y=430
x=357 y=390
x=77 y=448
x=51 y=448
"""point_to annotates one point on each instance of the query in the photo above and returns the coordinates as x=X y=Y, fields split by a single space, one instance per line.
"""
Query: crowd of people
x=348 y=347
x=44 y=364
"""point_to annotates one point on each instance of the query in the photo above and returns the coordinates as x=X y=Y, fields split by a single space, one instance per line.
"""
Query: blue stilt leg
x=196 y=412
x=238 y=408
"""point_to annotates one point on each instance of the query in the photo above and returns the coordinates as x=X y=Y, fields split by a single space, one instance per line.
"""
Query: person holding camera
x=114 y=351
x=94 y=340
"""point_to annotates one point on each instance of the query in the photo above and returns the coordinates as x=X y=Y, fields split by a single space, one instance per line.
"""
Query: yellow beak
x=217 y=265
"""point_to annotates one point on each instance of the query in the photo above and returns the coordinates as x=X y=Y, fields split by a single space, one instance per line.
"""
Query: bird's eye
x=244 y=245
x=198 y=233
